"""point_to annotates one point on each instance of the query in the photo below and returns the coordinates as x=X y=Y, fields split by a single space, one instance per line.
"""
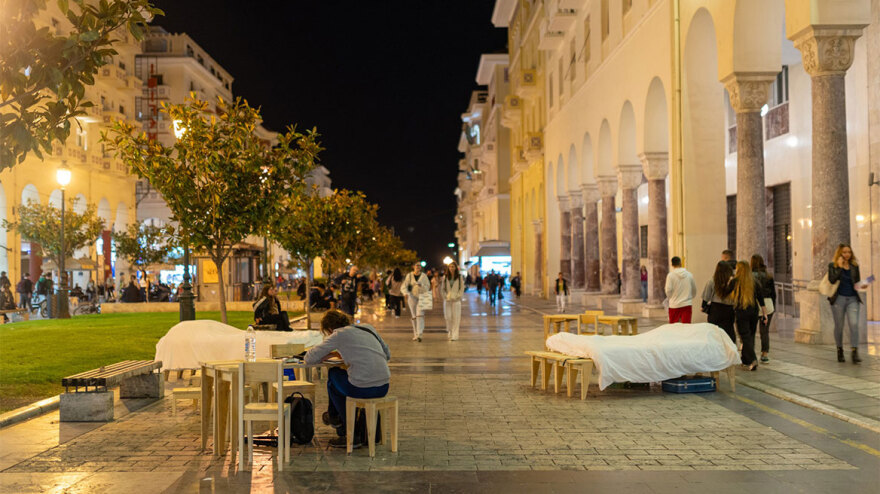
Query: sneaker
x=331 y=421
x=339 y=442
x=419 y=339
x=765 y=359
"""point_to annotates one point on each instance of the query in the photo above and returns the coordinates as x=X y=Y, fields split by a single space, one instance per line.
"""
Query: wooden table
x=219 y=398
x=618 y=323
x=557 y=321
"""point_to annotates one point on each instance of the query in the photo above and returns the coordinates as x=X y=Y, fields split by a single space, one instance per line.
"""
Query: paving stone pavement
x=467 y=413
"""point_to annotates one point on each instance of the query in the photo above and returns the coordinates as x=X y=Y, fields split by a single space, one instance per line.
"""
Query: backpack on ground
x=302 y=419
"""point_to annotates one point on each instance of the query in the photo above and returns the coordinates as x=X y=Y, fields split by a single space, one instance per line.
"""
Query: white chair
x=279 y=412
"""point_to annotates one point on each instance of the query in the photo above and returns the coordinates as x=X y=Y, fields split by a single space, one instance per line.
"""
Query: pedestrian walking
x=680 y=291
x=417 y=288
x=395 y=295
x=479 y=282
x=25 y=290
x=144 y=287
x=436 y=278
x=561 y=292
x=516 y=284
x=348 y=291
x=717 y=300
x=747 y=299
x=643 y=272
x=768 y=293
x=110 y=290
x=452 y=289
x=492 y=287
x=845 y=300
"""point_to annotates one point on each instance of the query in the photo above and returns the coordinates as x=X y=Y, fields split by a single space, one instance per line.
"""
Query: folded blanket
x=667 y=352
x=189 y=343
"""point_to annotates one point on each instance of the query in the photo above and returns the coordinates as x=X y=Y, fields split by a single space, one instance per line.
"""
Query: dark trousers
x=746 y=326
x=395 y=303
x=492 y=295
x=348 y=304
x=765 y=333
x=338 y=388
x=24 y=301
x=723 y=316
x=280 y=320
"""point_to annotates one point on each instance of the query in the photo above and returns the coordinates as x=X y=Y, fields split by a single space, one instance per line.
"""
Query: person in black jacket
x=267 y=309
x=747 y=301
x=844 y=268
x=561 y=292
x=768 y=291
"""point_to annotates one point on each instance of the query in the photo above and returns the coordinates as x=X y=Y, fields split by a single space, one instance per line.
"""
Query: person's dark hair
x=334 y=319
x=265 y=291
x=397 y=275
x=757 y=263
x=721 y=279
x=727 y=252
x=676 y=261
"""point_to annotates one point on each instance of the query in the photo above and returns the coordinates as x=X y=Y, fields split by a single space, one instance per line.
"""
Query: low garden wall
x=121 y=308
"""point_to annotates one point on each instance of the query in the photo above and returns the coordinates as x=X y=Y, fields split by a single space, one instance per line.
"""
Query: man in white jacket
x=416 y=285
x=680 y=291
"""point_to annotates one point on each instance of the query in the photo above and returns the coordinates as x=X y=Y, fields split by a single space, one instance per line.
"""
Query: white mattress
x=667 y=352
x=189 y=343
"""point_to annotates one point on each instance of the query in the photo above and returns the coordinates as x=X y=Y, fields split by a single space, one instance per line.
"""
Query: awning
x=493 y=251
x=70 y=264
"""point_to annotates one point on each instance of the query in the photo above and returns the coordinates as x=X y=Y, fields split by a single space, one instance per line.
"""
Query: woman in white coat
x=416 y=285
x=452 y=288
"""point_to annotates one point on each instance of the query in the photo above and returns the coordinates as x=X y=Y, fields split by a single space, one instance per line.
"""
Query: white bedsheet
x=189 y=343
x=667 y=352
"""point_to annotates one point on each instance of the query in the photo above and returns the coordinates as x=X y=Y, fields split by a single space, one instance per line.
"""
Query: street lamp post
x=62 y=175
x=187 y=306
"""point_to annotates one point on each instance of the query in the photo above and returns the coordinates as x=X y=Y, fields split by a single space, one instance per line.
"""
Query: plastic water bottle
x=250 y=345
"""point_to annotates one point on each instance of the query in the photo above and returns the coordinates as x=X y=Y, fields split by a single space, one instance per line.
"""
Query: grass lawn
x=35 y=355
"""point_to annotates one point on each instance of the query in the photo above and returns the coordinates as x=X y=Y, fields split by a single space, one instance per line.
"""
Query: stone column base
x=143 y=386
x=816 y=323
x=591 y=299
x=655 y=312
x=86 y=407
x=630 y=307
x=609 y=303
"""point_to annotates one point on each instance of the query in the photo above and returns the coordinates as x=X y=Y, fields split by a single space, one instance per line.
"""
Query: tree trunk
x=308 y=295
x=218 y=261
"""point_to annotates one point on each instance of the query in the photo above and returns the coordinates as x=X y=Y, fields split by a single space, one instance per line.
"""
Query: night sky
x=384 y=82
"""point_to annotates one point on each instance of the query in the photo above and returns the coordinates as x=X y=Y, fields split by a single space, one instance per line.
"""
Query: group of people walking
x=740 y=298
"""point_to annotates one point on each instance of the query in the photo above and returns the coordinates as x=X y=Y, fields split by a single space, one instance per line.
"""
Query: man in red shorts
x=680 y=290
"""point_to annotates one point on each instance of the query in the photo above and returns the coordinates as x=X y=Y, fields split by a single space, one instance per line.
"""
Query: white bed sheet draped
x=667 y=352
x=189 y=343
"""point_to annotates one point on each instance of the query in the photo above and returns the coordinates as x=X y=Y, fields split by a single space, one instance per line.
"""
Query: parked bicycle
x=87 y=308
x=40 y=303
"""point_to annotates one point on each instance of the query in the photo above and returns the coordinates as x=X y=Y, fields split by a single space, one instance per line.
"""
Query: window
x=122 y=65
x=506 y=74
x=587 y=41
x=82 y=137
x=731 y=223
x=776 y=117
x=200 y=60
x=781 y=249
x=572 y=71
x=189 y=51
x=643 y=241
x=122 y=110
x=779 y=88
x=606 y=22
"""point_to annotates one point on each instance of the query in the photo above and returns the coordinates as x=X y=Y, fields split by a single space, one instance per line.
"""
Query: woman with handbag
x=843 y=276
x=747 y=299
x=768 y=291
x=717 y=301
x=417 y=288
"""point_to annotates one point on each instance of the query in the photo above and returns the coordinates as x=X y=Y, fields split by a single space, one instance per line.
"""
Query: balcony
x=561 y=19
x=511 y=115
x=75 y=154
x=550 y=39
x=535 y=147
x=118 y=78
x=527 y=84
x=93 y=114
x=462 y=165
x=110 y=117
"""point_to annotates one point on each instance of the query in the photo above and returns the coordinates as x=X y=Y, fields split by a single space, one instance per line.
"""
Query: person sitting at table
x=267 y=309
x=365 y=354
x=320 y=299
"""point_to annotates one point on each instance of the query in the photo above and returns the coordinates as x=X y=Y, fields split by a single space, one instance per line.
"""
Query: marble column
x=538 y=282
x=748 y=93
x=577 y=240
x=630 y=177
x=564 y=238
x=608 y=189
x=655 y=166
x=591 y=237
x=827 y=53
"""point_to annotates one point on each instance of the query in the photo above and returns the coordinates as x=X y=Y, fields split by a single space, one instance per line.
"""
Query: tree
x=144 y=245
x=353 y=225
x=388 y=251
x=42 y=224
x=43 y=74
x=219 y=180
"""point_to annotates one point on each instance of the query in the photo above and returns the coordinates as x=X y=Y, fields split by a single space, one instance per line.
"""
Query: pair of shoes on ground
x=765 y=359
x=855 y=355
x=417 y=338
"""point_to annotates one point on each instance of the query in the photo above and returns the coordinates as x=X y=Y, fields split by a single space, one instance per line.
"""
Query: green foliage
x=42 y=224
x=219 y=180
x=44 y=74
x=144 y=245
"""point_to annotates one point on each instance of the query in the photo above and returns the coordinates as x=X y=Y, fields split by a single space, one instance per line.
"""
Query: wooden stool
x=372 y=406
x=586 y=319
x=194 y=394
x=289 y=387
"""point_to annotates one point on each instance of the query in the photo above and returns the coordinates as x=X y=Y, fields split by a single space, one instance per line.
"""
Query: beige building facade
x=685 y=127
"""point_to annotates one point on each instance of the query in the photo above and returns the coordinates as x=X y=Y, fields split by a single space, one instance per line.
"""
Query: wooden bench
x=94 y=402
x=621 y=325
x=26 y=314
x=561 y=363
